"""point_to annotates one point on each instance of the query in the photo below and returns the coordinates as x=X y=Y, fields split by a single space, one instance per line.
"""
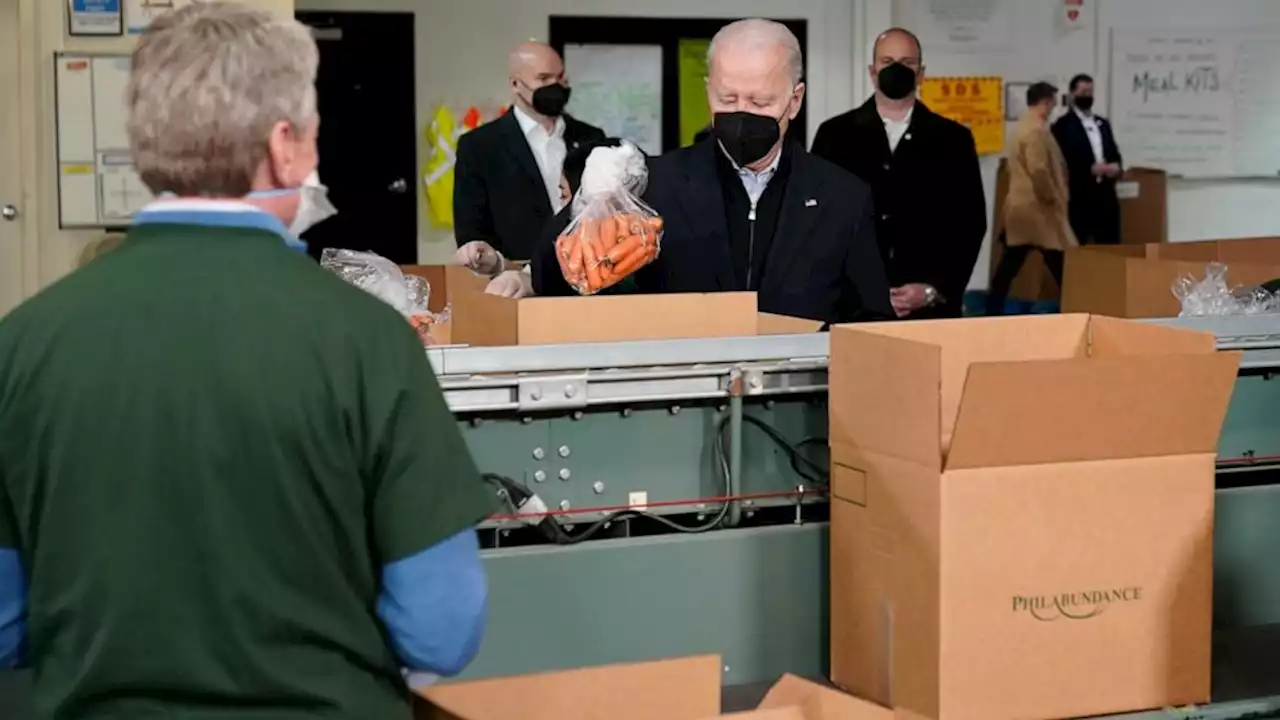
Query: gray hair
x=760 y=34
x=209 y=81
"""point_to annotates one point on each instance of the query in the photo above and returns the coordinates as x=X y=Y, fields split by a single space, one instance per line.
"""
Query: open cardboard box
x=446 y=282
x=1142 y=194
x=1022 y=514
x=1136 y=281
x=678 y=689
x=482 y=319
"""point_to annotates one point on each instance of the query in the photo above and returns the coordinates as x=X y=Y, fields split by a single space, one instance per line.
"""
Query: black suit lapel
x=868 y=124
x=703 y=204
x=517 y=146
x=574 y=134
x=796 y=218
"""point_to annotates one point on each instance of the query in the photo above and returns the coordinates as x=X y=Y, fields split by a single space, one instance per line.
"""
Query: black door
x=368 y=133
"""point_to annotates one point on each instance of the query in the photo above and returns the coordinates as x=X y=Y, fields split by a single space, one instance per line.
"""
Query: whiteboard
x=618 y=88
x=1197 y=103
x=97 y=184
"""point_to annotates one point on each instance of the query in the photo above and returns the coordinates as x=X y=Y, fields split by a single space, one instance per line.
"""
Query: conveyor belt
x=568 y=377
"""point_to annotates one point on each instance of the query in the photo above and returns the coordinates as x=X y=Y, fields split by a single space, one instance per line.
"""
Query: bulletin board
x=97 y=184
x=975 y=102
x=681 y=40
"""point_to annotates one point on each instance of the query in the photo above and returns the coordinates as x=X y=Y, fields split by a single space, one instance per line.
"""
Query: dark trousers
x=1095 y=215
x=1010 y=263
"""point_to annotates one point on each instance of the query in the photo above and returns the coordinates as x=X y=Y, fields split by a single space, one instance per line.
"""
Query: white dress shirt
x=895 y=130
x=755 y=181
x=548 y=150
x=1090 y=122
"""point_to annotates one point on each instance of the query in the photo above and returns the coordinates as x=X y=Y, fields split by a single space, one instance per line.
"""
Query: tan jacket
x=1035 y=211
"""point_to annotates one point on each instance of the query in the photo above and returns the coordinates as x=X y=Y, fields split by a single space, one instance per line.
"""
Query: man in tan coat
x=1035 y=209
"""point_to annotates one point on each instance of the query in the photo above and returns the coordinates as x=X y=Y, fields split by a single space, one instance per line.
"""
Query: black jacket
x=498 y=194
x=1093 y=207
x=822 y=264
x=931 y=213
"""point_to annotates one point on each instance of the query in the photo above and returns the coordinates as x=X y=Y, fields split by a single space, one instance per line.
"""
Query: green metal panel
x=1246 y=553
x=1252 y=428
x=598 y=458
x=756 y=597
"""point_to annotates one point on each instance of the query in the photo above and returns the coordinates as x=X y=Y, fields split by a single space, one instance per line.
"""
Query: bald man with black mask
x=931 y=214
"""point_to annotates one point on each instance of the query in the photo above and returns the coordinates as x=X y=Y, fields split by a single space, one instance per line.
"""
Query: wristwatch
x=931 y=296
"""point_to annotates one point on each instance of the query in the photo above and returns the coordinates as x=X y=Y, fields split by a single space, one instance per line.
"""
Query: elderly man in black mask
x=923 y=169
x=745 y=209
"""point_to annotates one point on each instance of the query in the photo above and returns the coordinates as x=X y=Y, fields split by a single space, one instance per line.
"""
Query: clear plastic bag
x=613 y=233
x=378 y=276
x=1212 y=296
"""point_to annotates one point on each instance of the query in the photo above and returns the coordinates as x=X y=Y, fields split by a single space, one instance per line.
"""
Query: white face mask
x=313 y=205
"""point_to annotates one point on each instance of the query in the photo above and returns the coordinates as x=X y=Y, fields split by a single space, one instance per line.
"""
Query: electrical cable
x=523 y=501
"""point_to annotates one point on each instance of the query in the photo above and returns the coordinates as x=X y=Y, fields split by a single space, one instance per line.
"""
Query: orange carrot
x=609 y=230
x=654 y=223
x=575 y=255
x=632 y=263
x=592 y=263
x=624 y=249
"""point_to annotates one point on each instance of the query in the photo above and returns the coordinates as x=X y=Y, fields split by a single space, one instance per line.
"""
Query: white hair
x=758 y=33
x=208 y=83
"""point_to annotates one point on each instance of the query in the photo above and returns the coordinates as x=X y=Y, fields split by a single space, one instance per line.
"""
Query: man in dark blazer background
x=745 y=209
x=1093 y=166
x=931 y=215
x=507 y=174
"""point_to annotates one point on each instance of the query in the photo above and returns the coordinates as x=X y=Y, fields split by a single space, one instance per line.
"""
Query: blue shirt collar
x=215 y=213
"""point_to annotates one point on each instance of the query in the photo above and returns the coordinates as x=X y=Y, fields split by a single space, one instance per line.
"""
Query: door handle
x=399 y=186
x=9 y=212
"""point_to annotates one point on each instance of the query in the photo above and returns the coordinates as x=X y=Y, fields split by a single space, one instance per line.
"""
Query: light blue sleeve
x=434 y=604
x=13 y=609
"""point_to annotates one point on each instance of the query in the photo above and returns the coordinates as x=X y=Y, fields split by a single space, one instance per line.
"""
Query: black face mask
x=1084 y=102
x=549 y=100
x=896 y=81
x=746 y=137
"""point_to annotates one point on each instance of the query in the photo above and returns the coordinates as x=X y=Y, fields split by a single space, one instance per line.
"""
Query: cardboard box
x=482 y=319
x=1022 y=514
x=445 y=282
x=1142 y=193
x=1136 y=281
x=679 y=689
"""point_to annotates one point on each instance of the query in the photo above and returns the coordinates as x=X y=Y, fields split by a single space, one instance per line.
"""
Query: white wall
x=462 y=47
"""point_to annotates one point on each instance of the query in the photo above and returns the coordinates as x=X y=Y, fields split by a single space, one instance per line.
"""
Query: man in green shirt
x=229 y=484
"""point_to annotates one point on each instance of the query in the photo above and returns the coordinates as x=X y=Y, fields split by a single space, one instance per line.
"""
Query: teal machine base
x=643 y=417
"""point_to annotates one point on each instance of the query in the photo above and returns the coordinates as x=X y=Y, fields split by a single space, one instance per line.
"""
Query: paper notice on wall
x=94 y=17
x=962 y=25
x=139 y=13
x=975 y=102
x=618 y=88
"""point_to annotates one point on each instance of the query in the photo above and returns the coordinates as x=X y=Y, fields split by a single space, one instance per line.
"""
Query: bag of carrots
x=612 y=233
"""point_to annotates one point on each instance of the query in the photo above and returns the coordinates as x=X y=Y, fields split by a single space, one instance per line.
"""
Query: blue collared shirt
x=433 y=603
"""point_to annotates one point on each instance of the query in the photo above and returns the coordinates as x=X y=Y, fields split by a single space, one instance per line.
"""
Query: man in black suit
x=747 y=210
x=923 y=169
x=1093 y=166
x=507 y=175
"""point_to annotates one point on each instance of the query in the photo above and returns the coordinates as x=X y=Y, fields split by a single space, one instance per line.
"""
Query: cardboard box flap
x=1110 y=336
x=959 y=344
x=1028 y=413
x=820 y=702
x=678 y=689
x=885 y=396
x=771 y=324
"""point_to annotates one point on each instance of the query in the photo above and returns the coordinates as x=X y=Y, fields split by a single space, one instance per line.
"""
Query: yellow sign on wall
x=975 y=102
